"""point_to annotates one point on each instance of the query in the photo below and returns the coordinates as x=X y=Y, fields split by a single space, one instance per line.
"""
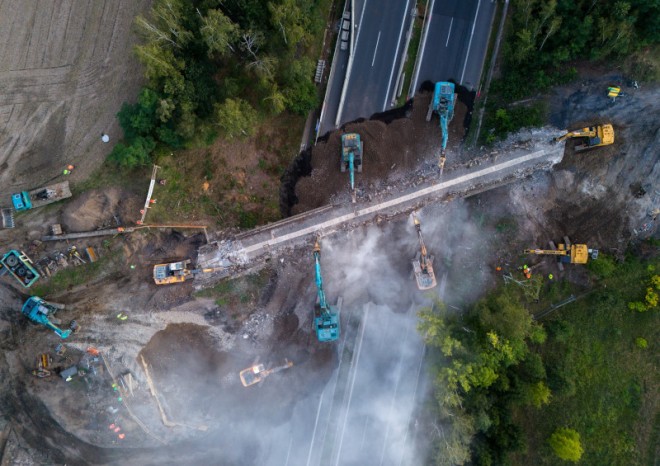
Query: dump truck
x=591 y=137
x=351 y=157
x=177 y=272
x=40 y=197
x=442 y=103
x=20 y=266
x=423 y=262
x=326 y=317
x=39 y=311
x=258 y=373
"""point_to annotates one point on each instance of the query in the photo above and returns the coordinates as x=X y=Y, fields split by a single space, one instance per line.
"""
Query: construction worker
x=122 y=316
x=550 y=276
x=162 y=182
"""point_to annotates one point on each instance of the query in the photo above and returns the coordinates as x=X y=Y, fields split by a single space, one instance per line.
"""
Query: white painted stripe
x=375 y=50
x=316 y=424
x=396 y=54
x=474 y=24
x=449 y=32
x=421 y=52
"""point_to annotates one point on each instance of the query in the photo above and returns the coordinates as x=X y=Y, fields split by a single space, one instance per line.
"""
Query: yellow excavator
x=177 y=272
x=258 y=372
x=593 y=136
x=567 y=253
x=423 y=262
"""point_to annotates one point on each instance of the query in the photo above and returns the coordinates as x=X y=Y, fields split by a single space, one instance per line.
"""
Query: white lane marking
x=449 y=33
x=474 y=24
x=350 y=393
x=375 y=50
x=316 y=424
x=288 y=453
x=396 y=54
x=419 y=371
x=421 y=52
x=399 y=372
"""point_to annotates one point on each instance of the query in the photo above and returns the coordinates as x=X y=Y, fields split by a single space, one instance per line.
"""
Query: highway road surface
x=379 y=43
x=455 y=42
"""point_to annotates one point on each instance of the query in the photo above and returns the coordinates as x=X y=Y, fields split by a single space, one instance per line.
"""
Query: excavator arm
x=580 y=133
x=319 y=278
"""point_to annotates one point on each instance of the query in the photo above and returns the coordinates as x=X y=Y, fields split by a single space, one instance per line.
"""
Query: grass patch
x=411 y=57
x=604 y=385
x=67 y=278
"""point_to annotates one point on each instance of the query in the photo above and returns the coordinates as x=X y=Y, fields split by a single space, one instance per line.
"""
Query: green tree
x=136 y=154
x=538 y=394
x=291 y=21
x=236 y=118
x=219 y=33
x=141 y=118
x=565 y=443
x=299 y=88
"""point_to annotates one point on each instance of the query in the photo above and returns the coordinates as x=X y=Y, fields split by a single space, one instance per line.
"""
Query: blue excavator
x=326 y=317
x=351 y=157
x=444 y=99
x=38 y=311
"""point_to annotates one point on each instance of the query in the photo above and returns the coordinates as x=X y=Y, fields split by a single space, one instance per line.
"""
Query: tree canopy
x=200 y=56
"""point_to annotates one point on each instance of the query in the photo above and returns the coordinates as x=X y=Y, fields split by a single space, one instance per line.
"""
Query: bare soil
x=66 y=68
x=391 y=152
x=602 y=198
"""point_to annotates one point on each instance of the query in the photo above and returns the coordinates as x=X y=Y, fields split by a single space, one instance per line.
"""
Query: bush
x=603 y=267
x=641 y=342
x=566 y=444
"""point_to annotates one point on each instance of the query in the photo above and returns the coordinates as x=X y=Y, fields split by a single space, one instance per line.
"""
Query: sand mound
x=92 y=210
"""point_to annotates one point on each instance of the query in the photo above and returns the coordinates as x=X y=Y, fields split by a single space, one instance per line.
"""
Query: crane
x=326 y=318
x=593 y=136
x=442 y=103
x=351 y=157
x=423 y=263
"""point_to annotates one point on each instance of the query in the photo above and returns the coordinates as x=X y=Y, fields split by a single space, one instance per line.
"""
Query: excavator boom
x=593 y=136
x=423 y=263
x=326 y=318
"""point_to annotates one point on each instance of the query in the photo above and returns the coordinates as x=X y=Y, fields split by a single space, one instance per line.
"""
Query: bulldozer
x=567 y=253
x=351 y=157
x=258 y=373
x=442 y=103
x=423 y=263
x=39 y=311
x=326 y=317
x=176 y=272
x=593 y=136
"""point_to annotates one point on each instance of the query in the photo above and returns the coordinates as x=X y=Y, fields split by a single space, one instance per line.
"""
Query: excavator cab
x=423 y=263
x=326 y=317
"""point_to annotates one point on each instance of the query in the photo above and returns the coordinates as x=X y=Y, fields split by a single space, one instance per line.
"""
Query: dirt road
x=66 y=67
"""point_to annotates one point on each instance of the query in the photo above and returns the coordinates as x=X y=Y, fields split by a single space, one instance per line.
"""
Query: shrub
x=566 y=444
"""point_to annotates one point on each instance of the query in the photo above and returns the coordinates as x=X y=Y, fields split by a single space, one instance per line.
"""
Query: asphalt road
x=379 y=43
x=455 y=43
